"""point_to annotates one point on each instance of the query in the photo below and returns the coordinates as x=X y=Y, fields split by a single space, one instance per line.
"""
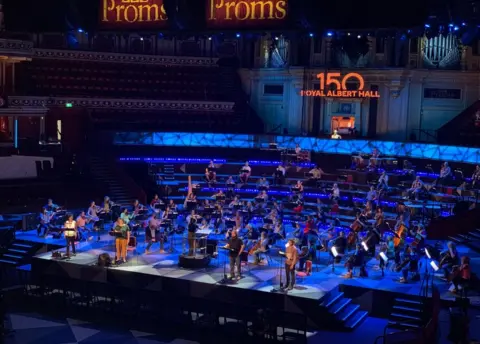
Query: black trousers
x=290 y=275
x=70 y=242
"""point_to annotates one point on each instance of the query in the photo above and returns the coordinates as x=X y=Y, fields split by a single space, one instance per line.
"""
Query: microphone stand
x=280 y=289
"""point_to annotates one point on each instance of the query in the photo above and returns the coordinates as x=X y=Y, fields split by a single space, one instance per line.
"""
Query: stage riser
x=191 y=295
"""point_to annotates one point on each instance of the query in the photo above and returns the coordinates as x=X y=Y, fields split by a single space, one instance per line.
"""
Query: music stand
x=280 y=289
x=225 y=279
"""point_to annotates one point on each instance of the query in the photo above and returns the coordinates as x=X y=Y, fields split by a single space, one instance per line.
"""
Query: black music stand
x=225 y=279
x=280 y=289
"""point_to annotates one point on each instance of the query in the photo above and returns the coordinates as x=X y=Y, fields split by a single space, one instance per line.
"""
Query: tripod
x=280 y=289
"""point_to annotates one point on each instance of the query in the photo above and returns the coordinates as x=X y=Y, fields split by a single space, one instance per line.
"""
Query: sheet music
x=204 y=231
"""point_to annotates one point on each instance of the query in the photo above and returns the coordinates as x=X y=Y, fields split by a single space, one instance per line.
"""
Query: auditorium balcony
x=52 y=77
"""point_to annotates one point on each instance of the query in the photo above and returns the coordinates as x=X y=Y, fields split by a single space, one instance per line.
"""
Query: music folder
x=245 y=171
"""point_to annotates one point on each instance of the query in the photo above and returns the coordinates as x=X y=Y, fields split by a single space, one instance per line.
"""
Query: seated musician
x=383 y=182
x=155 y=202
x=82 y=229
x=245 y=173
x=262 y=183
x=152 y=232
x=230 y=182
x=210 y=173
x=278 y=231
x=316 y=173
x=340 y=244
x=368 y=211
x=372 y=163
x=336 y=135
x=235 y=202
x=445 y=174
x=476 y=177
x=238 y=220
x=415 y=189
x=93 y=212
x=411 y=261
x=70 y=233
x=193 y=215
x=261 y=247
x=204 y=225
x=371 y=194
x=462 y=274
x=262 y=198
x=218 y=218
x=298 y=187
x=172 y=205
x=403 y=210
x=106 y=210
x=51 y=207
x=44 y=225
x=389 y=249
x=306 y=253
x=121 y=241
x=206 y=204
x=125 y=216
x=335 y=194
x=450 y=258
x=219 y=195
x=251 y=235
x=356 y=260
x=279 y=175
x=138 y=207
x=190 y=201
x=379 y=218
x=419 y=234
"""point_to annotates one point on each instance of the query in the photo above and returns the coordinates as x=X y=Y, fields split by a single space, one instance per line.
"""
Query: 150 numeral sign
x=340 y=88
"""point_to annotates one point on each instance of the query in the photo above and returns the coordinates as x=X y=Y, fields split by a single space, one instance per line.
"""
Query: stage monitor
x=246 y=14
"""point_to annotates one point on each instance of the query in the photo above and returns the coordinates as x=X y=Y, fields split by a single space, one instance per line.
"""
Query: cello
x=399 y=234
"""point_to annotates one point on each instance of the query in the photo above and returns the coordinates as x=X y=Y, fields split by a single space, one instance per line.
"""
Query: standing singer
x=291 y=260
x=236 y=246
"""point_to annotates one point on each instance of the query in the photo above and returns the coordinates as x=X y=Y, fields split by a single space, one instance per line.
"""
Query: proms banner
x=132 y=14
x=238 y=14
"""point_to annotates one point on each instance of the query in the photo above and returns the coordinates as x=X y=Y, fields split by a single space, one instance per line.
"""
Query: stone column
x=328 y=51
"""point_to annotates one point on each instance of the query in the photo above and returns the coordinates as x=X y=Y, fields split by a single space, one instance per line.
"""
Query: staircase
x=462 y=129
x=168 y=172
x=408 y=313
x=470 y=239
x=102 y=171
x=19 y=252
x=343 y=314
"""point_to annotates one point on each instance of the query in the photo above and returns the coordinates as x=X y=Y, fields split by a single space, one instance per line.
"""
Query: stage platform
x=160 y=273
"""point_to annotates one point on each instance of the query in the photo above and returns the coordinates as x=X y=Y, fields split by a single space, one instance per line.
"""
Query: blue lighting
x=311 y=34
x=427 y=26
x=456 y=28
x=15 y=133
x=451 y=25
x=80 y=30
x=238 y=35
x=464 y=24
x=329 y=34
x=153 y=160
x=316 y=145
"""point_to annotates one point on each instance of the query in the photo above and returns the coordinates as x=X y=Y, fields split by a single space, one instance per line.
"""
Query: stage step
x=333 y=297
x=356 y=319
x=403 y=325
x=339 y=305
x=456 y=239
x=347 y=312
x=9 y=262
x=407 y=310
x=12 y=256
x=25 y=245
x=475 y=235
x=14 y=250
x=404 y=317
x=412 y=303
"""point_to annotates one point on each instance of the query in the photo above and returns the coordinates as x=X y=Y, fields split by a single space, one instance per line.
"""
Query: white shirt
x=71 y=226
x=336 y=137
x=336 y=192
x=281 y=169
x=297 y=150
x=248 y=168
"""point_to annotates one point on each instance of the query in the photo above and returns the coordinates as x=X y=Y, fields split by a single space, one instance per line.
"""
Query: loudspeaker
x=372 y=114
x=104 y=260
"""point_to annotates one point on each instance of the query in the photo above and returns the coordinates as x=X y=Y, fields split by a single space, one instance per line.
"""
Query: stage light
x=464 y=24
x=334 y=251
x=456 y=28
x=276 y=38
x=238 y=35
x=329 y=34
x=364 y=245
x=451 y=25
x=428 y=253
x=141 y=38
x=427 y=26
x=359 y=36
x=434 y=266
x=310 y=34
x=209 y=38
x=384 y=256
x=80 y=30
x=348 y=34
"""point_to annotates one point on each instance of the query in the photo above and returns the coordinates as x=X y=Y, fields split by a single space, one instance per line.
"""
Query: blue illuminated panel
x=346 y=147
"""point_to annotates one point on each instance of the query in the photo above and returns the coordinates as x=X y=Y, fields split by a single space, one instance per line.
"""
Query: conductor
x=236 y=246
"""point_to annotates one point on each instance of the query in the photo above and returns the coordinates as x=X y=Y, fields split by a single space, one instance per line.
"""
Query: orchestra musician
x=236 y=246
x=298 y=187
x=449 y=259
x=356 y=260
x=306 y=253
x=400 y=231
x=340 y=244
x=121 y=241
x=291 y=254
x=190 y=201
x=210 y=173
x=172 y=206
x=379 y=218
x=389 y=249
x=262 y=198
x=192 y=229
x=245 y=173
x=382 y=182
x=445 y=174
x=126 y=217
x=419 y=234
x=298 y=150
x=335 y=194
x=82 y=229
x=461 y=275
x=154 y=203
x=415 y=189
x=410 y=264
x=372 y=163
x=371 y=194
x=279 y=175
x=336 y=135
x=476 y=177
x=262 y=183
x=51 y=207
x=93 y=212
x=230 y=182
x=44 y=226
x=261 y=247
x=316 y=173
x=138 y=207
x=70 y=232
x=106 y=210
